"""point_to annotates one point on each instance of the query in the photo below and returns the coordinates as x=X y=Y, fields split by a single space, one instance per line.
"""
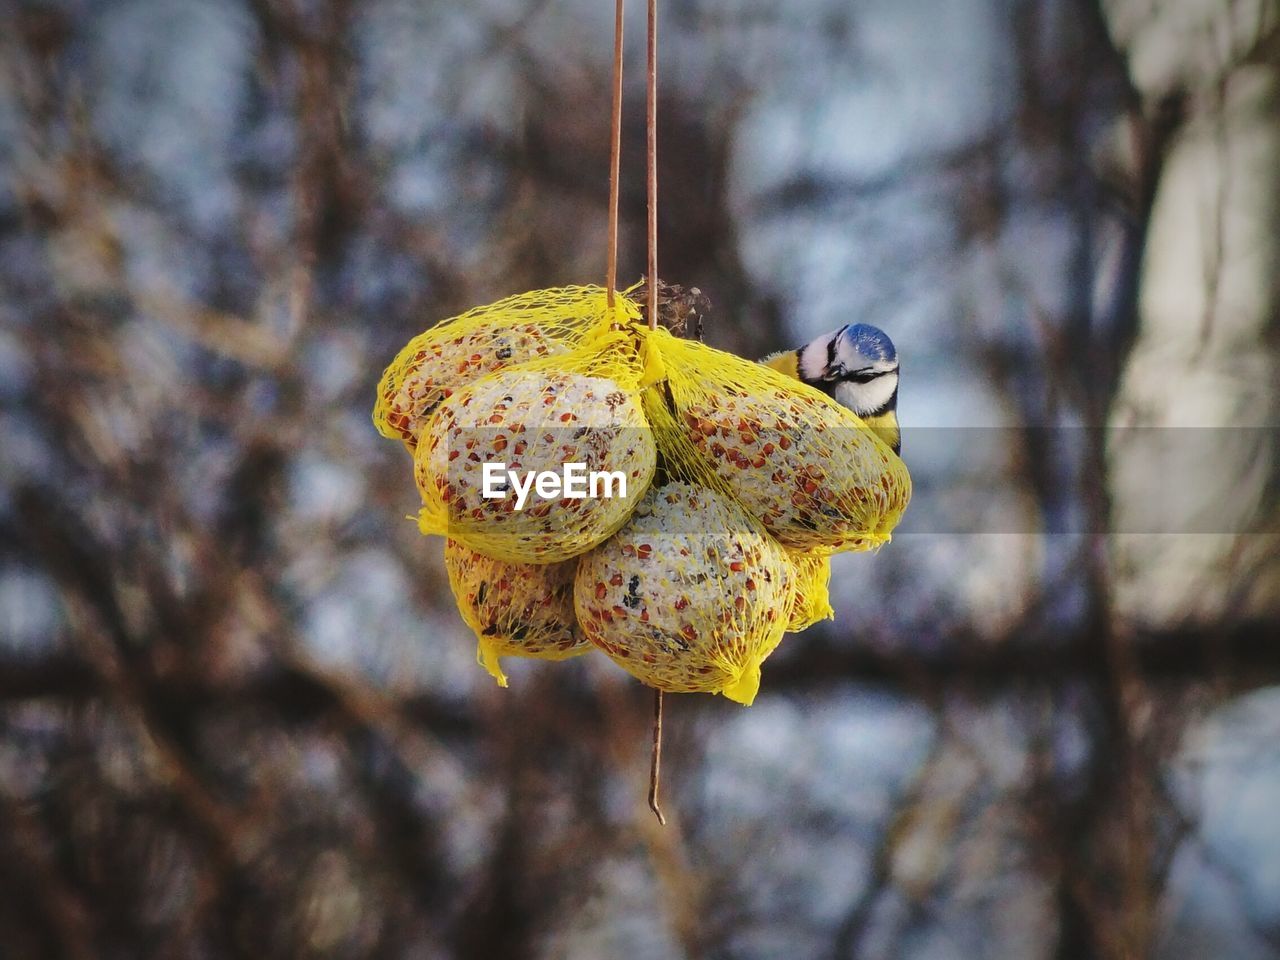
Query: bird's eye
x=863 y=376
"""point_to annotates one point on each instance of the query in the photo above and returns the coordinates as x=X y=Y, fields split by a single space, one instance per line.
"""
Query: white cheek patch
x=866 y=398
x=812 y=361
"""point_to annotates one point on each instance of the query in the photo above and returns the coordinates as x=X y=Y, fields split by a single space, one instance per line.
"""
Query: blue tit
x=858 y=367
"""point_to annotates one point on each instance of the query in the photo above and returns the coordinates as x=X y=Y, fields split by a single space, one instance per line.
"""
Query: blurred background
x=239 y=716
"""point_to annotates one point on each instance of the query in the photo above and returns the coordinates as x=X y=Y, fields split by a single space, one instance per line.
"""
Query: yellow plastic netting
x=812 y=472
x=689 y=580
x=690 y=596
x=580 y=408
x=515 y=609
x=461 y=349
x=812 y=598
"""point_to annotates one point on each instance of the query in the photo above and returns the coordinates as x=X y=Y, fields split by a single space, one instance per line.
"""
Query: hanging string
x=611 y=272
x=615 y=154
x=651 y=168
x=656 y=763
x=651 y=159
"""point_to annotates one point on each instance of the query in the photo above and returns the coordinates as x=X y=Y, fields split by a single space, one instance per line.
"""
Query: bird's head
x=858 y=363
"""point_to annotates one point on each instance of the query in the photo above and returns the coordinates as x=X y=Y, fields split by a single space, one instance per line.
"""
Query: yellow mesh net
x=580 y=408
x=690 y=596
x=739 y=484
x=812 y=472
x=812 y=598
x=461 y=349
x=515 y=609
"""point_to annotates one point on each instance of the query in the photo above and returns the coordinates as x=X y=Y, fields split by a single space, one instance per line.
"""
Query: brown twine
x=611 y=273
x=651 y=169
x=615 y=153
x=651 y=160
